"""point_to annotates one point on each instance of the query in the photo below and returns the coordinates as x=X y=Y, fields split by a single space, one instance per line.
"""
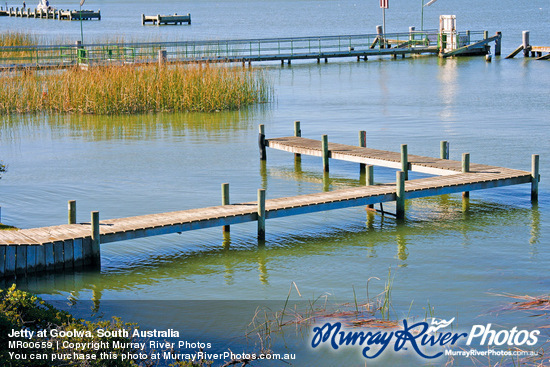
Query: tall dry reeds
x=129 y=89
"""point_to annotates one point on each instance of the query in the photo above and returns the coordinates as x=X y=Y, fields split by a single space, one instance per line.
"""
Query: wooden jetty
x=74 y=245
x=165 y=19
x=54 y=14
x=285 y=49
x=530 y=50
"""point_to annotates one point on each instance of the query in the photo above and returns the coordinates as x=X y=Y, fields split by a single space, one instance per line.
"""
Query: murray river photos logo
x=426 y=340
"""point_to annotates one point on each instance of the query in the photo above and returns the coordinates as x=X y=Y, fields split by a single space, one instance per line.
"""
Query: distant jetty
x=165 y=19
x=51 y=14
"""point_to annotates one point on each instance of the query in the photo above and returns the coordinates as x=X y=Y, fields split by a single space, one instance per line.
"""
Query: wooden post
x=72 y=212
x=444 y=150
x=526 y=46
x=162 y=57
x=411 y=34
x=362 y=144
x=96 y=254
x=2 y=260
x=58 y=255
x=485 y=35
x=40 y=261
x=21 y=264
x=369 y=180
x=498 y=44
x=261 y=143
x=404 y=161
x=535 y=178
x=225 y=201
x=10 y=260
x=325 y=152
x=400 y=195
x=297 y=133
x=78 y=254
x=465 y=169
x=261 y=214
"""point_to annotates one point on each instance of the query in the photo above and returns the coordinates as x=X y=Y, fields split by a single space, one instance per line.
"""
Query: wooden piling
x=261 y=214
x=2 y=260
x=400 y=195
x=72 y=212
x=535 y=178
x=362 y=144
x=78 y=255
x=465 y=169
x=21 y=260
x=325 y=152
x=96 y=255
x=297 y=133
x=444 y=150
x=40 y=261
x=405 y=161
x=498 y=44
x=261 y=143
x=58 y=255
x=31 y=258
x=10 y=260
x=68 y=254
x=49 y=256
x=369 y=179
x=526 y=46
x=225 y=201
x=162 y=56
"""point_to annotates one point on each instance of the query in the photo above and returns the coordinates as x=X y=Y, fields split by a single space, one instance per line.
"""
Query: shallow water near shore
x=453 y=257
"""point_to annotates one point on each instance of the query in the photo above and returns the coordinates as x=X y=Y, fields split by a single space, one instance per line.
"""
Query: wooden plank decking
x=69 y=245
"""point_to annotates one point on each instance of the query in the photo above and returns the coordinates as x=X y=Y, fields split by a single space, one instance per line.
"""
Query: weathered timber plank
x=10 y=259
x=21 y=260
x=40 y=262
x=2 y=260
x=78 y=257
x=68 y=254
x=49 y=256
x=58 y=254
x=31 y=259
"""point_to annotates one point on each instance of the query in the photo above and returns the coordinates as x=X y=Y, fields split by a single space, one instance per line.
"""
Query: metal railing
x=220 y=50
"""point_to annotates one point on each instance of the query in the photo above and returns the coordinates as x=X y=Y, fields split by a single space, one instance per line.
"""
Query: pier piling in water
x=525 y=43
x=400 y=195
x=325 y=153
x=72 y=211
x=261 y=214
x=261 y=143
x=444 y=150
x=535 y=177
x=297 y=133
x=225 y=201
x=465 y=169
x=405 y=161
x=362 y=144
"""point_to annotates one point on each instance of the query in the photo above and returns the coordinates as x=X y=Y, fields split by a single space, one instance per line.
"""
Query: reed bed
x=129 y=89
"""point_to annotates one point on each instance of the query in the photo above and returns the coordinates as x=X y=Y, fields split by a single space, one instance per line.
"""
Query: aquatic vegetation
x=10 y=38
x=130 y=89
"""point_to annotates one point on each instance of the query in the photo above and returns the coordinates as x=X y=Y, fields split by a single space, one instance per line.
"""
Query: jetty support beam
x=535 y=177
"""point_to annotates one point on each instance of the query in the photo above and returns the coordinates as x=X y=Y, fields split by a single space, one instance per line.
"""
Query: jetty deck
x=285 y=49
x=74 y=245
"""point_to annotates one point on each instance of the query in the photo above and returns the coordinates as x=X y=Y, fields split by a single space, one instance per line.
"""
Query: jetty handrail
x=231 y=50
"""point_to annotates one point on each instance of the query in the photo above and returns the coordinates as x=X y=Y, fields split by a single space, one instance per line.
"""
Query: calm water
x=451 y=258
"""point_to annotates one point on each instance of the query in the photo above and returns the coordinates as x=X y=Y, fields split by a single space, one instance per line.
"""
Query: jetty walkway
x=74 y=245
x=244 y=50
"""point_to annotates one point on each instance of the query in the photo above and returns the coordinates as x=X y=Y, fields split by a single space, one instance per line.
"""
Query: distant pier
x=165 y=19
x=75 y=245
x=52 y=14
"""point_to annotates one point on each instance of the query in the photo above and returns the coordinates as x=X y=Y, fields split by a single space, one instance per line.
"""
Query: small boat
x=44 y=5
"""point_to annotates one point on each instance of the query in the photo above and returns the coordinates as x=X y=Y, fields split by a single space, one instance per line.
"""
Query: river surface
x=447 y=260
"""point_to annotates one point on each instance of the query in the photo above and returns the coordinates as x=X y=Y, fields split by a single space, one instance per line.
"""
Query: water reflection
x=133 y=127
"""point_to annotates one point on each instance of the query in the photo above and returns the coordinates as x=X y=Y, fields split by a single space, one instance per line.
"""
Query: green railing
x=221 y=50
